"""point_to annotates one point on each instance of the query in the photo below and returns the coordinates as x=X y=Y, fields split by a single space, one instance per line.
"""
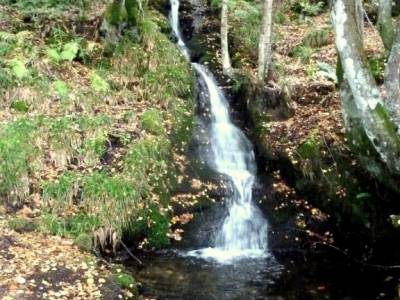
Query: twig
x=329 y=150
x=130 y=253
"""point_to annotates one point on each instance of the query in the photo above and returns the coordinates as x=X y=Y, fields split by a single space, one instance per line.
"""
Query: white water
x=244 y=231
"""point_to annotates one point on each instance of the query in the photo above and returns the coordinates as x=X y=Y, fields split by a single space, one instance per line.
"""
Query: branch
x=130 y=253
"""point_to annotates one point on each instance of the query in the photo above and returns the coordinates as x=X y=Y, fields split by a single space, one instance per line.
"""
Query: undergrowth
x=91 y=127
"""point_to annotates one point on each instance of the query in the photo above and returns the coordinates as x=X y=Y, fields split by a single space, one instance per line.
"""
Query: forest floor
x=314 y=97
x=38 y=266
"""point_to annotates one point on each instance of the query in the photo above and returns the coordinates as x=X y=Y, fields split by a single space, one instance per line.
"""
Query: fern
x=18 y=68
x=98 y=83
x=61 y=88
x=70 y=51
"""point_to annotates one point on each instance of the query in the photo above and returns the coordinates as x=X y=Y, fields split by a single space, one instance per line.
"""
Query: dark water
x=170 y=275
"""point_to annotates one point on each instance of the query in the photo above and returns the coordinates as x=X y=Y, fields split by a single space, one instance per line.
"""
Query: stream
x=230 y=257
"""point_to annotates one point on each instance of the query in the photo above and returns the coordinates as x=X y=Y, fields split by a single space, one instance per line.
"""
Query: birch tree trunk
x=226 y=60
x=359 y=14
x=392 y=80
x=265 y=43
x=385 y=23
x=379 y=127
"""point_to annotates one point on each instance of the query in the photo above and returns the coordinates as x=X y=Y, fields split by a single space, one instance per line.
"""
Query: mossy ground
x=92 y=134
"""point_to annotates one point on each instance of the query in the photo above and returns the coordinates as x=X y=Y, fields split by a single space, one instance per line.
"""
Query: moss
x=135 y=12
x=310 y=148
x=126 y=281
x=84 y=242
x=376 y=66
x=116 y=13
x=22 y=225
x=20 y=106
x=158 y=229
x=388 y=124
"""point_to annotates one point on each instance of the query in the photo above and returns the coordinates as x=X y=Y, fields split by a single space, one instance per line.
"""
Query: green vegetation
x=307 y=8
x=376 y=66
x=316 y=38
x=69 y=225
x=19 y=159
x=125 y=280
x=304 y=53
x=91 y=127
x=152 y=121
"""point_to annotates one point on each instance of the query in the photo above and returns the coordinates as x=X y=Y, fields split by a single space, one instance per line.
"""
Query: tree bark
x=359 y=13
x=226 y=60
x=385 y=23
x=392 y=80
x=265 y=43
x=379 y=127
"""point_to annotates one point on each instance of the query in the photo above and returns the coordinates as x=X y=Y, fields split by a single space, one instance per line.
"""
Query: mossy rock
x=84 y=242
x=127 y=282
x=22 y=225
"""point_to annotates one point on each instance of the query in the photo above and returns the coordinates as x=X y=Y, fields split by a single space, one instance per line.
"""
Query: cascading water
x=244 y=231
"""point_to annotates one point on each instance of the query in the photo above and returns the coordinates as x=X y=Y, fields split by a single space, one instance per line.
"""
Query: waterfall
x=244 y=231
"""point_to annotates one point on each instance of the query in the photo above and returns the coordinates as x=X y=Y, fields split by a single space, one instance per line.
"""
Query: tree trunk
x=265 y=43
x=377 y=124
x=361 y=145
x=226 y=60
x=359 y=13
x=385 y=23
x=392 y=80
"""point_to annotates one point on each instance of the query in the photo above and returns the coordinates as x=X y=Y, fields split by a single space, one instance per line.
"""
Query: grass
x=303 y=53
x=18 y=159
x=69 y=226
x=152 y=121
x=69 y=101
x=61 y=193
